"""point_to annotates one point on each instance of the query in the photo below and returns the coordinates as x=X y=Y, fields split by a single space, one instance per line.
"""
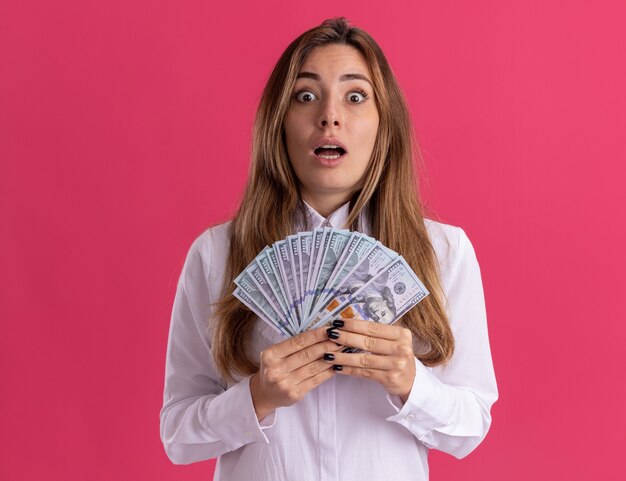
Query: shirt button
x=408 y=417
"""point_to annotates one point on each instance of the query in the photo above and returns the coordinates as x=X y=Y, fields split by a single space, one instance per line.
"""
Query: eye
x=305 y=96
x=357 y=96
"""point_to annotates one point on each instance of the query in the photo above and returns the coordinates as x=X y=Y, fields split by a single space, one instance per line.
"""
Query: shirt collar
x=337 y=219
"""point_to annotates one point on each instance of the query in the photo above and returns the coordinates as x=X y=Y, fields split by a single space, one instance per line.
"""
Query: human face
x=380 y=310
x=332 y=104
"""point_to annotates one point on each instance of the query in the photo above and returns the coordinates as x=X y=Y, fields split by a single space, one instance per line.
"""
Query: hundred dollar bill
x=317 y=243
x=319 y=261
x=245 y=282
x=366 y=261
x=263 y=262
x=348 y=248
x=304 y=246
x=255 y=301
x=294 y=261
x=369 y=260
x=270 y=255
x=385 y=298
x=286 y=272
x=337 y=241
x=359 y=247
x=255 y=273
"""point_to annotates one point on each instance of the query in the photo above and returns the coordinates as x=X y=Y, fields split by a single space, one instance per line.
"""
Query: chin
x=335 y=183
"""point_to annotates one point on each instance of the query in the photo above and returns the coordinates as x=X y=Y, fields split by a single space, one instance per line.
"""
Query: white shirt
x=347 y=428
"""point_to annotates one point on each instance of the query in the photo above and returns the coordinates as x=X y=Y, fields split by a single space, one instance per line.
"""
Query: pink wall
x=124 y=132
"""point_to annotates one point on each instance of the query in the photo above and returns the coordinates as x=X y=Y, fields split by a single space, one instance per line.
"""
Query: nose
x=329 y=114
x=325 y=122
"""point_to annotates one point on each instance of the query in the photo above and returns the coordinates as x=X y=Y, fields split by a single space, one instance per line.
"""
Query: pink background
x=124 y=133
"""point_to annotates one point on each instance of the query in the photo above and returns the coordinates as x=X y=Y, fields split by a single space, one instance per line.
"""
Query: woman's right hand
x=290 y=369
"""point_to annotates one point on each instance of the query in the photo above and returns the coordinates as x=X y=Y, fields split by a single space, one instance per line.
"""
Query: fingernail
x=338 y=323
x=337 y=367
x=332 y=334
x=329 y=357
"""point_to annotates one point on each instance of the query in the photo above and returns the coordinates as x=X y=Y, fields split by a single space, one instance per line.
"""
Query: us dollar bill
x=309 y=278
x=317 y=246
x=304 y=246
x=358 y=248
x=281 y=249
x=256 y=274
x=335 y=245
x=367 y=263
x=385 y=298
x=294 y=261
x=263 y=263
x=257 y=303
x=270 y=254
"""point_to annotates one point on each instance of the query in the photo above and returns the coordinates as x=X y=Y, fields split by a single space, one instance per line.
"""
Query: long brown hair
x=389 y=198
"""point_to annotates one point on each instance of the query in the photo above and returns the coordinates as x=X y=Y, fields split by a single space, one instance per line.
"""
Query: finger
x=372 y=344
x=299 y=342
x=309 y=383
x=308 y=355
x=368 y=361
x=310 y=370
x=375 y=329
x=365 y=373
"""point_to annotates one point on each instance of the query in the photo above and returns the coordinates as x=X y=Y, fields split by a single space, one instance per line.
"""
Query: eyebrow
x=344 y=78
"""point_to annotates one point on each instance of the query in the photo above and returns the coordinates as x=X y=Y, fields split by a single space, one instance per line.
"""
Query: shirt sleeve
x=448 y=408
x=200 y=418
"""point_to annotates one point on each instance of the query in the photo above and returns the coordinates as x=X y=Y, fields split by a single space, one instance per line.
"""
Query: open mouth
x=329 y=153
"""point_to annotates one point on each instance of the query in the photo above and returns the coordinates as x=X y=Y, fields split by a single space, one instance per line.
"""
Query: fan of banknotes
x=310 y=278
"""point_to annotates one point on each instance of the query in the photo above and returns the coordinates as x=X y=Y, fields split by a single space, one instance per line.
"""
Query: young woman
x=332 y=146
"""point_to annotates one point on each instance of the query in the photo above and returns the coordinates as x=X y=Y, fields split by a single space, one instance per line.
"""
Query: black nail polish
x=338 y=323
x=329 y=357
x=332 y=334
x=337 y=367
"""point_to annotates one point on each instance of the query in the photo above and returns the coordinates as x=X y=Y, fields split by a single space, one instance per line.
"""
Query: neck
x=326 y=204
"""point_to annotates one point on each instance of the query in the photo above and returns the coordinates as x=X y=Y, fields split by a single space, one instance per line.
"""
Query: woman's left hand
x=389 y=360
